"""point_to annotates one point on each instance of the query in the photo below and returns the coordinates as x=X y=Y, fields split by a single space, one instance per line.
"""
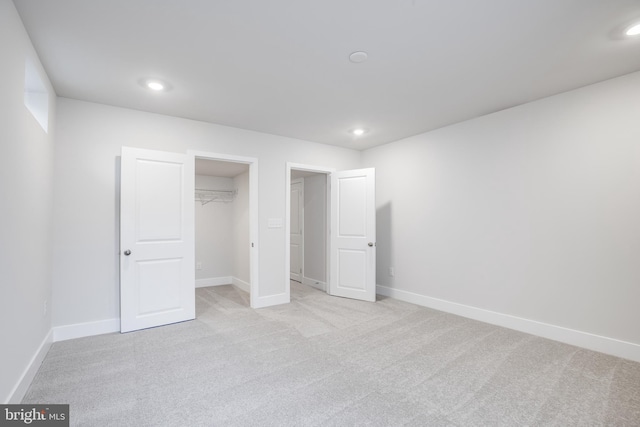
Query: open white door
x=157 y=277
x=353 y=234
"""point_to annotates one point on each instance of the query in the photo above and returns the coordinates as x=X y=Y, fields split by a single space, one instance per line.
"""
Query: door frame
x=254 y=234
x=287 y=222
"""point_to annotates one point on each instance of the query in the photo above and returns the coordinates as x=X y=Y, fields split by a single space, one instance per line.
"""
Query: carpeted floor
x=326 y=361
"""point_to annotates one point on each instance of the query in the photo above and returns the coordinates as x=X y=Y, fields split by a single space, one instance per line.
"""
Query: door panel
x=159 y=213
x=353 y=250
x=352 y=266
x=157 y=277
x=352 y=207
x=154 y=284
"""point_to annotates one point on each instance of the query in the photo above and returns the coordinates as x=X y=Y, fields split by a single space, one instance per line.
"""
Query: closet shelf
x=205 y=196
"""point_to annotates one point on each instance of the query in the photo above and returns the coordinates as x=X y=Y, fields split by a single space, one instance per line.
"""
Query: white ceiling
x=281 y=66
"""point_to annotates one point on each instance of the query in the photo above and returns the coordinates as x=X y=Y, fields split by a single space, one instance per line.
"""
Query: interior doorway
x=348 y=231
x=308 y=228
x=296 y=241
x=226 y=230
x=221 y=215
x=313 y=223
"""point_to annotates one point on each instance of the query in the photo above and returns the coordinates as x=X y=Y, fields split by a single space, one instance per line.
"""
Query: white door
x=353 y=234
x=157 y=277
x=297 y=200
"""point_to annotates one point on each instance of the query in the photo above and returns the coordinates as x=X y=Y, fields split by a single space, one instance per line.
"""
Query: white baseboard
x=67 y=332
x=225 y=280
x=586 y=340
x=241 y=284
x=20 y=389
x=79 y=330
x=271 y=300
x=314 y=283
x=213 y=281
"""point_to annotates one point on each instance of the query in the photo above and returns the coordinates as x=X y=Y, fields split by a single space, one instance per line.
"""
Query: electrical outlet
x=199 y=265
x=392 y=271
x=44 y=309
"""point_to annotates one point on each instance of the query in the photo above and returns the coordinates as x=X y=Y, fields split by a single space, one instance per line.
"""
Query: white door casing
x=297 y=221
x=353 y=235
x=157 y=277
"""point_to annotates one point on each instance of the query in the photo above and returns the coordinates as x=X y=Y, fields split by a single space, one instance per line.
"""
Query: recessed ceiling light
x=634 y=30
x=358 y=131
x=155 y=85
x=358 y=57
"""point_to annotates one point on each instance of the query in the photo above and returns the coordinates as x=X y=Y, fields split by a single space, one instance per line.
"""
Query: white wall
x=315 y=229
x=26 y=174
x=532 y=212
x=240 y=225
x=85 y=274
x=214 y=231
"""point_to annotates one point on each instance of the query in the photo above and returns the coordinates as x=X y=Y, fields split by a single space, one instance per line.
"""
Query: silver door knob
x=370 y=243
x=127 y=252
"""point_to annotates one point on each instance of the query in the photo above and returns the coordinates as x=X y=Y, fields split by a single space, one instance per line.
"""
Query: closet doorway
x=225 y=222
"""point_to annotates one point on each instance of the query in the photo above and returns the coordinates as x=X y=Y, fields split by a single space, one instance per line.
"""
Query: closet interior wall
x=222 y=233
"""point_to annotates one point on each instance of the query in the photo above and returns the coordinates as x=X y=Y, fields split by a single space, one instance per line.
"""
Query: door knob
x=370 y=243
x=127 y=252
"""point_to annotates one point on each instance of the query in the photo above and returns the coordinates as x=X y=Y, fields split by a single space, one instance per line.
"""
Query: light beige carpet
x=326 y=361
